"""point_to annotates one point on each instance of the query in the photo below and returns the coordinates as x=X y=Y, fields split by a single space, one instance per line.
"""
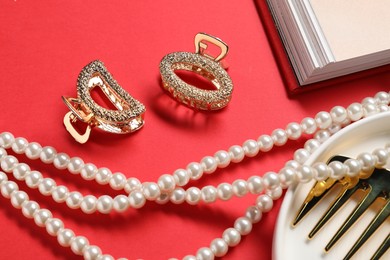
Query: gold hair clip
x=202 y=64
x=126 y=119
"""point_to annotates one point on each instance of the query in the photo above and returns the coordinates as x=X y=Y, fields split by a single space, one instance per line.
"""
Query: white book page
x=354 y=28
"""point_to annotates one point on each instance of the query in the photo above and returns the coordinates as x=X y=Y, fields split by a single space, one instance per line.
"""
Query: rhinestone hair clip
x=126 y=119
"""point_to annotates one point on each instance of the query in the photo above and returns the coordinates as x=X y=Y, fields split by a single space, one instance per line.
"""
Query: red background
x=43 y=47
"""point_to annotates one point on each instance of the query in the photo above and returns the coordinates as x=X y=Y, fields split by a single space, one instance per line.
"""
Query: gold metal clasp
x=201 y=46
x=78 y=111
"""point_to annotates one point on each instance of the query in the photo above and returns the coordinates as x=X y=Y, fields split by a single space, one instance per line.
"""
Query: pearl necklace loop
x=168 y=187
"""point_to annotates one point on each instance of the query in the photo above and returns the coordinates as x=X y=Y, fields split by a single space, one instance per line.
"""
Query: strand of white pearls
x=168 y=187
x=231 y=237
x=274 y=183
x=322 y=126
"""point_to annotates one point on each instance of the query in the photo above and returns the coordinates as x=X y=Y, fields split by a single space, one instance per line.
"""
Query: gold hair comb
x=375 y=187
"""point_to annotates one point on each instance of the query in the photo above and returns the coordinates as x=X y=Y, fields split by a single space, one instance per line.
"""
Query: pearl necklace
x=169 y=187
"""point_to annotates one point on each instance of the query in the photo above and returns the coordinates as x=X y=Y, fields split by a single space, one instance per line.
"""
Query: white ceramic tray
x=292 y=242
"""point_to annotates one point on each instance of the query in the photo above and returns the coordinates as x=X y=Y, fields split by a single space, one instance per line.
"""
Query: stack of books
x=328 y=39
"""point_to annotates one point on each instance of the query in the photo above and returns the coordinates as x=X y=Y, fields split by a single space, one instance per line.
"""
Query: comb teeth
x=375 y=187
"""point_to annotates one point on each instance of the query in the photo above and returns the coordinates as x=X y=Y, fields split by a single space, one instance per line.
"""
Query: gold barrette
x=203 y=64
x=126 y=119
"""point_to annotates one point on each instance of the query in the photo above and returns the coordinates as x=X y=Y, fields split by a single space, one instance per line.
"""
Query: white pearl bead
x=339 y=114
x=209 y=194
x=41 y=217
x=74 y=199
x=312 y=145
x=223 y=158
x=209 y=164
x=104 y=204
x=33 y=150
x=323 y=120
x=196 y=170
x=255 y=184
x=320 y=171
x=103 y=176
x=75 y=165
x=88 y=172
x=60 y=194
x=163 y=198
x=368 y=162
x=8 y=163
x=301 y=155
x=279 y=136
x=166 y=182
x=369 y=100
x=19 y=145
x=383 y=108
x=382 y=98
x=61 y=161
x=65 y=236
x=225 y=191
x=137 y=199
x=181 y=176
x=18 y=198
x=236 y=153
x=219 y=247
x=275 y=193
x=189 y=257
x=78 y=244
x=121 y=203
x=92 y=253
x=382 y=155
x=338 y=170
x=117 y=181
x=251 y=148
x=20 y=171
x=370 y=110
x=106 y=257
x=264 y=203
x=204 y=253
x=287 y=176
x=46 y=186
x=243 y=225
x=88 y=204
x=309 y=125
x=6 y=140
x=322 y=135
x=334 y=129
x=48 y=154
x=294 y=131
x=240 y=188
x=151 y=190
x=355 y=111
x=271 y=180
x=3 y=153
x=53 y=226
x=254 y=214
x=231 y=236
x=7 y=188
x=33 y=179
x=3 y=177
x=265 y=143
x=178 y=196
x=193 y=195
x=305 y=174
x=29 y=208
x=353 y=167
x=292 y=164
x=132 y=184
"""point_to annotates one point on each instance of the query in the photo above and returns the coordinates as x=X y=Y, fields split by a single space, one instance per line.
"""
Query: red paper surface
x=44 y=46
